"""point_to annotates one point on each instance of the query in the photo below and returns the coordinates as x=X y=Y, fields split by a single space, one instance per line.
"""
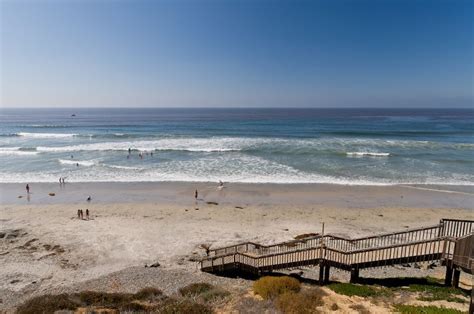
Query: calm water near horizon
x=342 y=146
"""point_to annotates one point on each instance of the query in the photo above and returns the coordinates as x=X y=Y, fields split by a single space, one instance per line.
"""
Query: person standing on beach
x=27 y=189
x=78 y=214
x=87 y=214
x=196 y=195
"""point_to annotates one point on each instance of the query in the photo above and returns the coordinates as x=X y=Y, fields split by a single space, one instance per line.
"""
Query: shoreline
x=182 y=193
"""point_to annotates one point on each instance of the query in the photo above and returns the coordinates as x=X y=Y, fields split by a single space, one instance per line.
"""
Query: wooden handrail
x=350 y=245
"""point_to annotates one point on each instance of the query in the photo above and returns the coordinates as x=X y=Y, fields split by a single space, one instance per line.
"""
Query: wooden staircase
x=450 y=241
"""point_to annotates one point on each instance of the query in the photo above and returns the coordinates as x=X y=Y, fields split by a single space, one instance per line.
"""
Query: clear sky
x=229 y=53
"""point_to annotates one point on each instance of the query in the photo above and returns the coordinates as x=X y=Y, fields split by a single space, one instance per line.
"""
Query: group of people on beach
x=80 y=214
x=140 y=155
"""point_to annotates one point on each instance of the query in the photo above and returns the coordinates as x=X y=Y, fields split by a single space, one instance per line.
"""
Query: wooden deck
x=450 y=242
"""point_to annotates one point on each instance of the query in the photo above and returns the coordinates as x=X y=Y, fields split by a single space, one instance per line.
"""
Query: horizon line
x=240 y=107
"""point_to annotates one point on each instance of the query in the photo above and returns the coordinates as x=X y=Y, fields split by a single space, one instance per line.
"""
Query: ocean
x=339 y=146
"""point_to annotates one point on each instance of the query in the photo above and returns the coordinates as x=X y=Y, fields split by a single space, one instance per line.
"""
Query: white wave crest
x=18 y=151
x=183 y=144
x=370 y=154
x=86 y=163
x=122 y=167
x=46 y=135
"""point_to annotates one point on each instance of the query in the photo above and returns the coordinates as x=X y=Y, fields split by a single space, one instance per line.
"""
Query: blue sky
x=230 y=53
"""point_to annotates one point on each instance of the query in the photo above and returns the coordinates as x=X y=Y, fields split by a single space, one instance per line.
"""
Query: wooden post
x=471 y=307
x=456 y=275
x=327 y=269
x=449 y=274
x=354 y=275
x=321 y=274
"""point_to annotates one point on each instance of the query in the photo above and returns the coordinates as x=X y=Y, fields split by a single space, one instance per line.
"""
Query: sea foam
x=369 y=154
x=86 y=163
x=45 y=135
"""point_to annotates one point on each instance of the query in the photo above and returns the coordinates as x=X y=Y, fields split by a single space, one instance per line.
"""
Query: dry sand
x=45 y=246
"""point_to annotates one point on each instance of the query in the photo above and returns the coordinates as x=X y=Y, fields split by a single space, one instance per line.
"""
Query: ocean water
x=340 y=146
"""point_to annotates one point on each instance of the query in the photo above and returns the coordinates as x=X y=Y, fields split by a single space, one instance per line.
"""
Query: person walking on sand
x=196 y=195
x=87 y=214
x=78 y=214
x=82 y=214
x=27 y=189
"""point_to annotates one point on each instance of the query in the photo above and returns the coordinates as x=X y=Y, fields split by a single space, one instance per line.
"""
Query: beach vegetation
x=413 y=309
x=146 y=300
x=251 y=305
x=270 y=287
x=427 y=288
x=365 y=291
x=195 y=289
x=134 y=307
x=203 y=292
x=304 y=302
x=112 y=300
x=434 y=292
x=175 y=306
x=149 y=293
x=360 y=308
x=47 y=304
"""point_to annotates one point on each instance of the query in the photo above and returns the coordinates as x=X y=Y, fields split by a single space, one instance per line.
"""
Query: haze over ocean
x=342 y=146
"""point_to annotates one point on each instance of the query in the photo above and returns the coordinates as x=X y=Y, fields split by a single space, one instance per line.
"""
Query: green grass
x=433 y=290
x=411 y=309
x=430 y=289
x=365 y=291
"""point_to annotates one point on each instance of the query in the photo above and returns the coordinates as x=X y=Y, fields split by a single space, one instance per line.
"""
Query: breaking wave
x=72 y=162
x=45 y=135
x=370 y=154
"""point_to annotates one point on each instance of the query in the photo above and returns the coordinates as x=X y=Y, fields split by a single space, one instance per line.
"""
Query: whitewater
x=343 y=146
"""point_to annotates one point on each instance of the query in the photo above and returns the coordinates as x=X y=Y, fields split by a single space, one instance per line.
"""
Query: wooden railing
x=463 y=255
x=456 y=227
x=420 y=244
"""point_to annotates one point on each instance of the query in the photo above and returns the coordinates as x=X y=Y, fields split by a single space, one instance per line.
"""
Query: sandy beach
x=46 y=248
